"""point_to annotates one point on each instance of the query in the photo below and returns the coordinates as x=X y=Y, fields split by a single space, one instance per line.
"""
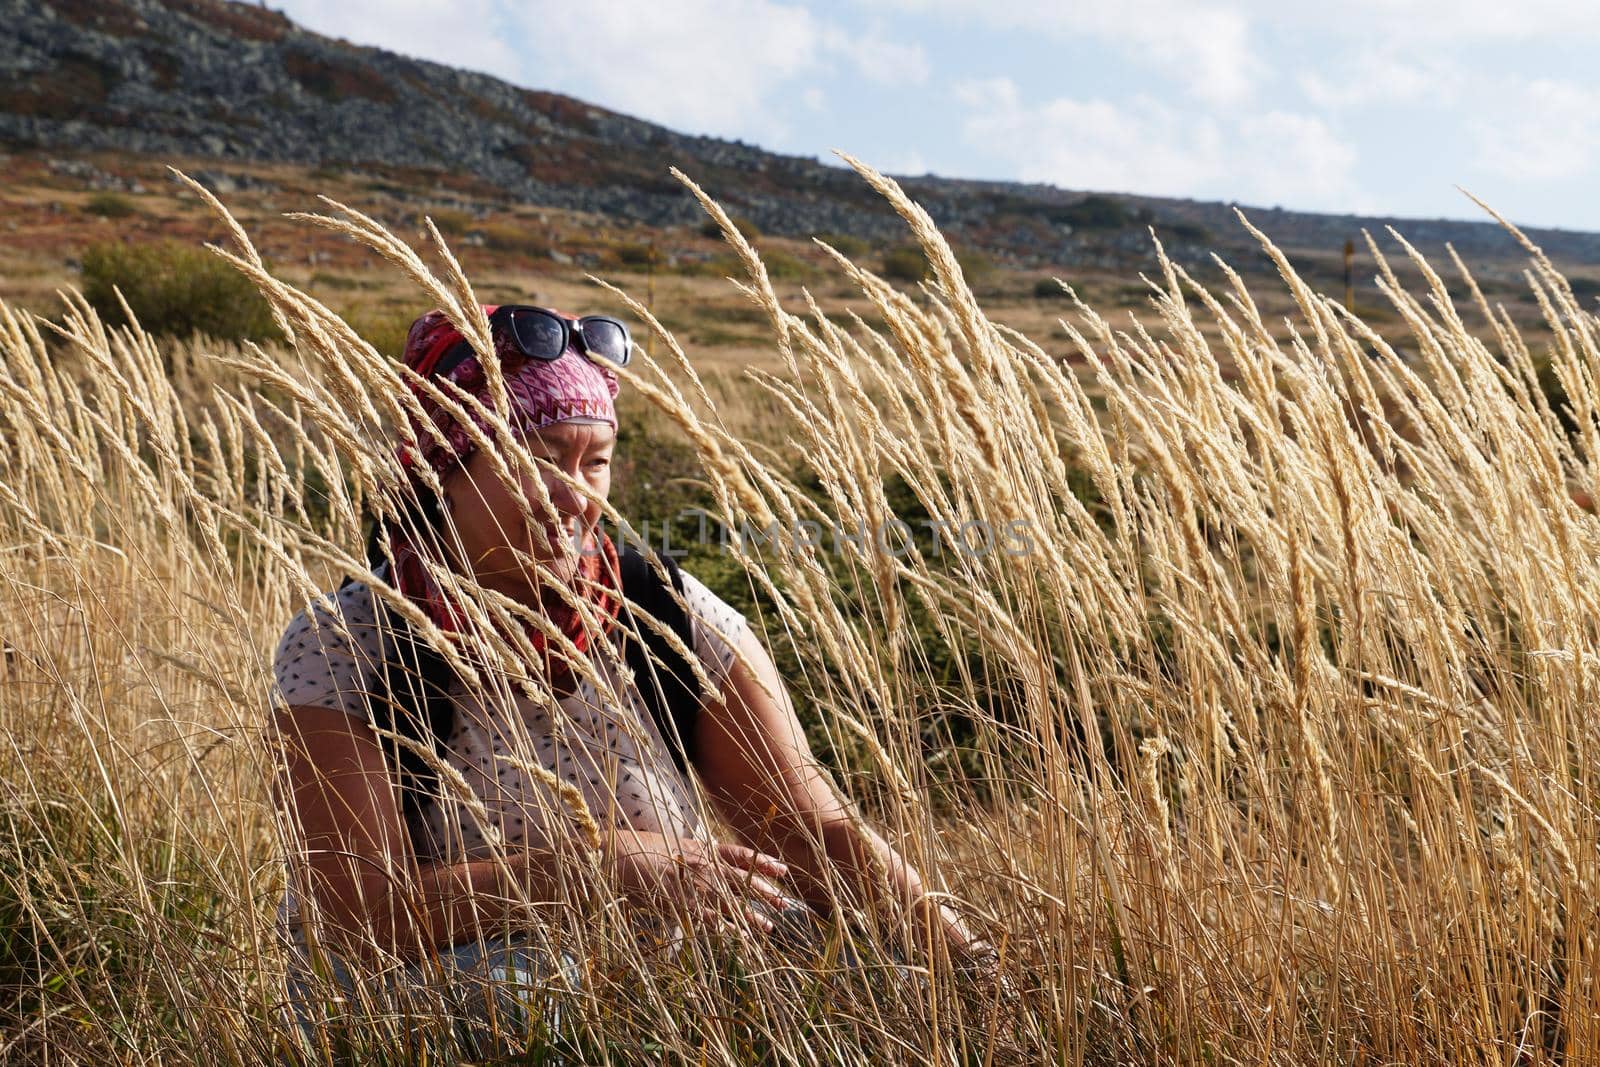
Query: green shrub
x=109 y=205
x=710 y=334
x=629 y=254
x=709 y=228
x=905 y=264
x=383 y=328
x=974 y=264
x=175 y=289
x=908 y=263
x=1092 y=213
x=847 y=245
x=330 y=280
x=1132 y=294
x=741 y=314
x=451 y=222
x=718 y=266
x=1048 y=289
x=526 y=238
x=782 y=266
x=1585 y=290
x=1191 y=232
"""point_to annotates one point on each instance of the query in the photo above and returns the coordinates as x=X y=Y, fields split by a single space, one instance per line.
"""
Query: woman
x=438 y=884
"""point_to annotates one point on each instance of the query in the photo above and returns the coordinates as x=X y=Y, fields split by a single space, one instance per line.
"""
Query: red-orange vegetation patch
x=407 y=183
x=104 y=16
x=336 y=81
x=24 y=167
x=75 y=85
x=164 y=65
x=466 y=184
x=130 y=167
x=649 y=175
x=564 y=109
x=490 y=113
x=421 y=86
x=249 y=21
x=562 y=161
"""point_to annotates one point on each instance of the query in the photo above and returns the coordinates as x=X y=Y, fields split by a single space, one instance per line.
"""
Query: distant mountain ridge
x=227 y=80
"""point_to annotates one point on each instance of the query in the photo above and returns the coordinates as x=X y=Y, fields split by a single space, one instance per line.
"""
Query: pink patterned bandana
x=541 y=392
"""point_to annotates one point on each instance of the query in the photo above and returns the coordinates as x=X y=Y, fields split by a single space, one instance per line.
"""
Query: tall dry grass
x=1276 y=746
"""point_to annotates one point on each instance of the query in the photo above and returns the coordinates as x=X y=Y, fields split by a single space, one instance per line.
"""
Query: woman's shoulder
x=329 y=649
x=706 y=604
x=717 y=627
x=349 y=614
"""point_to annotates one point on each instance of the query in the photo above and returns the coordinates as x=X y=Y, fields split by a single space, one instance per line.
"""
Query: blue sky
x=1372 y=106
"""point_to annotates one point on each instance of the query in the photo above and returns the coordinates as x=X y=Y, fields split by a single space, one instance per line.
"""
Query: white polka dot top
x=613 y=755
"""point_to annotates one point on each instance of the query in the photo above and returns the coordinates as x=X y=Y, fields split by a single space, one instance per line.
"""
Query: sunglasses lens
x=538 y=335
x=606 y=339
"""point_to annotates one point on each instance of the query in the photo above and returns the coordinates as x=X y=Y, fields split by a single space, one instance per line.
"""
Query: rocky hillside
x=238 y=82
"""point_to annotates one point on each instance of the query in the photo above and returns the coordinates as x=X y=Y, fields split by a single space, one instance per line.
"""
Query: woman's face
x=490 y=523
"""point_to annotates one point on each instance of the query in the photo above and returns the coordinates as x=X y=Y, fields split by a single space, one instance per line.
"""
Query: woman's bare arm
x=360 y=861
x=358 y=854
x=753 y=756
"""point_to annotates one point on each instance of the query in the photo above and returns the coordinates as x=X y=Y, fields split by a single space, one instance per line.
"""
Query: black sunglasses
x=539 y=333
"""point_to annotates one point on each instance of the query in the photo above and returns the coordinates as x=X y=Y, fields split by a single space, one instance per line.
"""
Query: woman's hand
x=716 y=881
x=968 y=951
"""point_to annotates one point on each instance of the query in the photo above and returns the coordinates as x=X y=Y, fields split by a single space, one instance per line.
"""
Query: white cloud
x=1281 y=155
x=1538 y=130
x=1225 y=51
x=1383 y=75
x=695 y=64
x=988 y=94
x=879 y=58
x=1254 y=100
x=702 y=65
x=1205 y=46
x=1447 y=20
x=458 y=34
x=716 y=66
x=908 y=163
x=1143 y=145
x=1372 y=20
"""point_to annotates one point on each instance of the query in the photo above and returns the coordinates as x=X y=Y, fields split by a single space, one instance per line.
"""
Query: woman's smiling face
x=490 y=523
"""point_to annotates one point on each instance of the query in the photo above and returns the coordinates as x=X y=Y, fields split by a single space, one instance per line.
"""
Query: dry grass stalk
x=1274 y=746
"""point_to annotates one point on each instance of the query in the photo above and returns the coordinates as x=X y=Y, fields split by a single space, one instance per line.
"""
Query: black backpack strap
x=410 y=691
x=666 y=680
x=412 y=699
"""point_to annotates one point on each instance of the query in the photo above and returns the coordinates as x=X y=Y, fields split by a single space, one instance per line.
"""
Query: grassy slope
x=1361 y=823
x=521 y=252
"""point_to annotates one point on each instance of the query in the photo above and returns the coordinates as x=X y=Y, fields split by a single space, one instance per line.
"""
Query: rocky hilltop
x=233 y=81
